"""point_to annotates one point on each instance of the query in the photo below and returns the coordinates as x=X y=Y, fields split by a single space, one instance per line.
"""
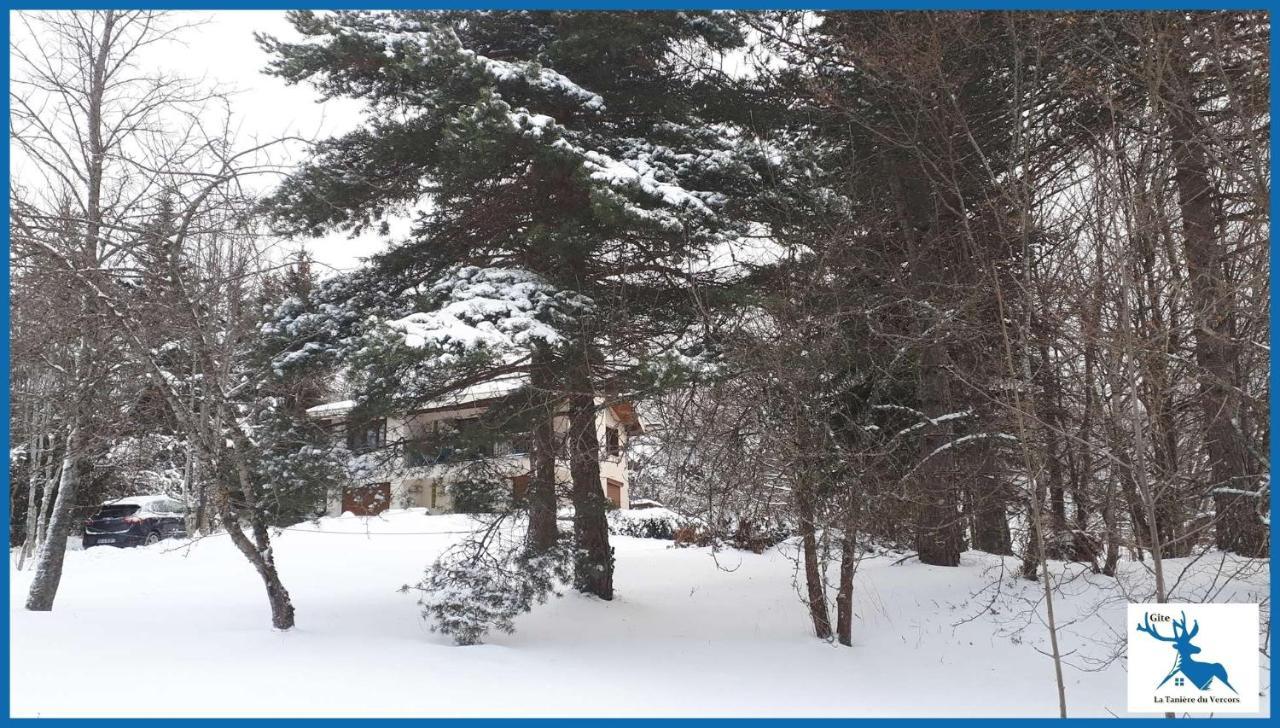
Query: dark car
x=138 y=520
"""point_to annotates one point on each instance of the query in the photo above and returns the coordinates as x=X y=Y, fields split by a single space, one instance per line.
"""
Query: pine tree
x=567 y=170
x=298 y=467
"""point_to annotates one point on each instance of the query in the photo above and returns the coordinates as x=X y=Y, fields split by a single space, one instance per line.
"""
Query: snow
x=542 y=78
x=332 y=408
x=649 y=522
x=639 y=173
x=642 y=503
x=138 y=500
x=499 y=309
x=690 y=633
x=491 y=389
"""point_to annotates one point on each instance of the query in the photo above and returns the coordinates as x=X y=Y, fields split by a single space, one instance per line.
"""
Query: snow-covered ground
x=182 y=629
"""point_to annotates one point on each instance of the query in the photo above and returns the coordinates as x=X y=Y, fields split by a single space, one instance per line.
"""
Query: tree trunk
x=1234 y=487
x=939 y=537
x=1030 y=554
x=593 y=558
x=86 y=369
x=988 y=498
x=816 y=590
x=259 y=552
x=1138 y=430
x=52 y=475
x=44 y=587
x=848 y=564
x=263 y=560
x=1111 y=528
x=1061 y=543
x=543 y=531
x=35 y=457
x=938 y=530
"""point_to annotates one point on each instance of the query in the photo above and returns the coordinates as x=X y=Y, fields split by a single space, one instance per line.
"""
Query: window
x=366 y=435
x=612 y=442
x=421 y=453
x=116 y=511
x=417 y=455
x=515 y=445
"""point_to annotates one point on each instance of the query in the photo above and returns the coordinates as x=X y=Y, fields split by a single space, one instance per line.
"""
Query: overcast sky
x=222 y=50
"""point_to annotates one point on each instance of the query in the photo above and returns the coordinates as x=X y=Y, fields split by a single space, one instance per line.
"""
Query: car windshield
x=117 y=511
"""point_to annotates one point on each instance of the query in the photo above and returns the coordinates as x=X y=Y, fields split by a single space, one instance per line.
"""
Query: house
x=411 y=460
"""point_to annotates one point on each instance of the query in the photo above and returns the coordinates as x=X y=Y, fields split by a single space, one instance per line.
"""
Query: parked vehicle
x=137 y=520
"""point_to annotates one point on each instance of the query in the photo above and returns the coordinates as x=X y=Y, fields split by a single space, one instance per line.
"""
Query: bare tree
x=143 y=168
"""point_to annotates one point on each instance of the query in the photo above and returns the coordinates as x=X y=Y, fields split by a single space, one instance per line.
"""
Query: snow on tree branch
x=497 y=309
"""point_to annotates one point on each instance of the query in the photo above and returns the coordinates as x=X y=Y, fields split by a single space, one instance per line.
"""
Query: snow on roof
x=331 y=408
x=492 y=389
x=467 y=395
x=478 y=392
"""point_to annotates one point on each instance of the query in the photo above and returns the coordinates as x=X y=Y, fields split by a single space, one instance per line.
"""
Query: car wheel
x=152 y=538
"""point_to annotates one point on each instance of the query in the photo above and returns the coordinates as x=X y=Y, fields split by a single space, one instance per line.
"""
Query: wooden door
x=366 y=500
x=613 y=489
x=519 y=488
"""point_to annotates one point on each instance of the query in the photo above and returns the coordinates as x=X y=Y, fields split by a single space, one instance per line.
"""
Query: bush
x=748 y=535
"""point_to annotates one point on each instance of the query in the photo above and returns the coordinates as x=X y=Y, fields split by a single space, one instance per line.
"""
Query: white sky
x=222 y=51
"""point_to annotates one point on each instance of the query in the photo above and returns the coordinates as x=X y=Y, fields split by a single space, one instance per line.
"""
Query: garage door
x=366 y=500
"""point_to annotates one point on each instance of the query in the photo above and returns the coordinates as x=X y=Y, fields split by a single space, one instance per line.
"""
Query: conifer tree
x=570 y=175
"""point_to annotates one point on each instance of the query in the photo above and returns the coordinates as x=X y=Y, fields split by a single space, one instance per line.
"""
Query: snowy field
x=182 y=629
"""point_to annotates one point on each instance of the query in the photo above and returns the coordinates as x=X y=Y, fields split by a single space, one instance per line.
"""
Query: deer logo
x=1201 y=674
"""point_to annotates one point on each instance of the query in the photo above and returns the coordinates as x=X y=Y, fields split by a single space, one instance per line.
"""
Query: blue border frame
x=1270 y=5
x=4 y=348
x=642 y=5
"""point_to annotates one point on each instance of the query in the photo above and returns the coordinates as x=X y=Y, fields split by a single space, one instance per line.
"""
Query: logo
x=1193 y=658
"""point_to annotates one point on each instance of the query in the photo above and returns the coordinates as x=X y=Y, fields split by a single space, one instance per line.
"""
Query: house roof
x=626 y=414
x=332 y=408
x=478 y=392
x=625 y=411
x=467 y=395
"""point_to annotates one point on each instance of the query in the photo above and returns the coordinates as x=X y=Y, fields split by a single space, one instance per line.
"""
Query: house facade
x=412 y=460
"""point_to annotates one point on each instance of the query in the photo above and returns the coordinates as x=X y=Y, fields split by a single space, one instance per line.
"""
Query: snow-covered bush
x=660 y=523
x=757 y=535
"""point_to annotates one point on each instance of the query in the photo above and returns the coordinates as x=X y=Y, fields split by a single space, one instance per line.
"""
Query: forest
x=931 y=283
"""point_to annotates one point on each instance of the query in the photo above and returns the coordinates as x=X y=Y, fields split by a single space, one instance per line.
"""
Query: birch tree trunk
x=44 y=587
x=35 y=467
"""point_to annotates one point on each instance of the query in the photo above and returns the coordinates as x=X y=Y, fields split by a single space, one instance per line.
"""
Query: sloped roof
x=467 y=395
